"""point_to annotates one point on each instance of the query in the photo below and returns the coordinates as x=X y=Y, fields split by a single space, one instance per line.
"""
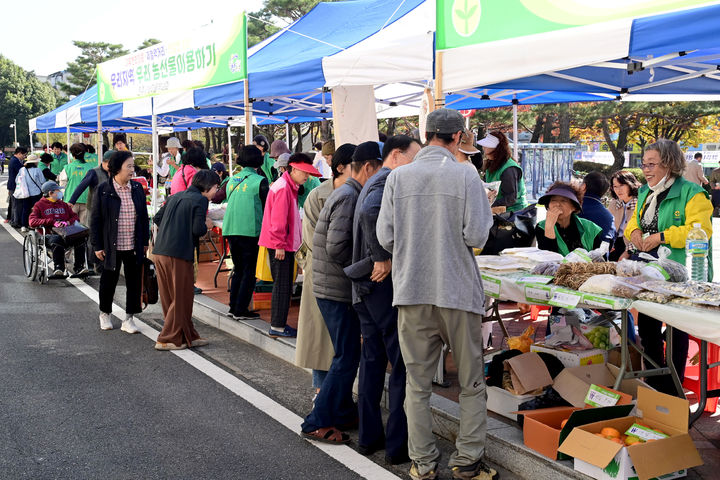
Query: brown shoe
x=169 y=346
x=199 y=342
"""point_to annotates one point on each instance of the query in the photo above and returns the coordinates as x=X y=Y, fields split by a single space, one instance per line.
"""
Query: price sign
x=539 y=279
x=491 y=286
x=600 y=397
x=644 y=433
x=564 y=298
x=537 y=293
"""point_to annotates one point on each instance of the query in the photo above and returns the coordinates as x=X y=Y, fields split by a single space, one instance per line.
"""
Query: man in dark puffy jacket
x=332 y=249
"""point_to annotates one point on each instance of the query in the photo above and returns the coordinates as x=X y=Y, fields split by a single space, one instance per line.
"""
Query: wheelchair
x=37 y=256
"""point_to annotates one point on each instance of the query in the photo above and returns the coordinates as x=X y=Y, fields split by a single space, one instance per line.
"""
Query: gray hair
x=671 y=156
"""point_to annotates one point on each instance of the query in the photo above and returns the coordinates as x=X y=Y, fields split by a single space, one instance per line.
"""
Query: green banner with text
x=215 y=55
x=467 y=22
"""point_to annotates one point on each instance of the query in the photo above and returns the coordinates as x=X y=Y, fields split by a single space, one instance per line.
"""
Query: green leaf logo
x=466 y=16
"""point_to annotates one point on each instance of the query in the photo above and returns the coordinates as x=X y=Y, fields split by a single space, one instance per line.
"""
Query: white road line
x=343 y=454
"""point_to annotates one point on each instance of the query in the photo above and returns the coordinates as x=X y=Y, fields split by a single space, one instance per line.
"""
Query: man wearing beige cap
x=434 y=211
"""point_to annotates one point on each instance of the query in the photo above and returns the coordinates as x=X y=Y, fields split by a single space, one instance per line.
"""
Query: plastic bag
x=577 y=255
x=662 y=268
x=522 y=342
x=610 y=285
x=600 y=254
x=629 y=268
x=546 y=268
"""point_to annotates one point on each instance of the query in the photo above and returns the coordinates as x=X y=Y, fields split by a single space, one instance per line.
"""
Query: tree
x=148 y=42
x=81 y=71
x=22 y=96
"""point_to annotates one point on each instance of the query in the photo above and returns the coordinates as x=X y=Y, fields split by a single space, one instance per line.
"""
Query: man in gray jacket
x=332 y=251
x=434 y=211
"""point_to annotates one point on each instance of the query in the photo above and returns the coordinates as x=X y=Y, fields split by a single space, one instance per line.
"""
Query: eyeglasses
x=648 y=166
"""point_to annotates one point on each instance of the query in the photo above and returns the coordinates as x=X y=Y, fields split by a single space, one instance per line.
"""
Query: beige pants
x=82 y=212
x=422 y=330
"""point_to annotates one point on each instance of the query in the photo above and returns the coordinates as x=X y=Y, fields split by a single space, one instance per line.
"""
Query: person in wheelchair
x=50 y=211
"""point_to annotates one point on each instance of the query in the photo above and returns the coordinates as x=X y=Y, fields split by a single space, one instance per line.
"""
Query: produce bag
x=610 y=285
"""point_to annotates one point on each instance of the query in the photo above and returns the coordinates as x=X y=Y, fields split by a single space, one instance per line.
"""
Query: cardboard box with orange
x=614 y=449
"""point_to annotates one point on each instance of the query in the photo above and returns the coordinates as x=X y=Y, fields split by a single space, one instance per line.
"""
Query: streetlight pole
x=14 y=127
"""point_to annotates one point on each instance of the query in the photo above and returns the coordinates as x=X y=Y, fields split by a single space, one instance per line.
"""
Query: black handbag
x=149 y=289
x=74 y=234
x=511 y=230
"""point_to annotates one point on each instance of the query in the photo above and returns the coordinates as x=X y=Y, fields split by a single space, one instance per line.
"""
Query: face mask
x=56 y=197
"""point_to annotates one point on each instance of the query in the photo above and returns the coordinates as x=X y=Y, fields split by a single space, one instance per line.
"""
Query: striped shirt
x=126 y=219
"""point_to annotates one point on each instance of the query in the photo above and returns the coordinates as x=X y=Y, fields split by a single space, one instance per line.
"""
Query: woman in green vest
x=500 y=167
x=246 y=194
x=563 y=231
x=75 y=172
x=667 y=207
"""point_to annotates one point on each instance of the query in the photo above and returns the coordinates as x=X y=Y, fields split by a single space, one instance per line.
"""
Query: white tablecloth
x=703 y=324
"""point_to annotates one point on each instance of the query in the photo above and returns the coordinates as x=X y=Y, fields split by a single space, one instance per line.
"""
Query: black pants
x=109 y=279
x=618 y=249
x=58 y=246
x=378 y=325
x=653 y=342
x=244 y=252
x=12 y=207
x=282 y=273
x=24 y=207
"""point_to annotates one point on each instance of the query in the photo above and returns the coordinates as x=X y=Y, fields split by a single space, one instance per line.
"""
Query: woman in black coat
x=120 y=231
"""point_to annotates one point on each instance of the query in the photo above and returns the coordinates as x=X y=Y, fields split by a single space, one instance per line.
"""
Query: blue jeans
x=318 y=377
x=334 y=404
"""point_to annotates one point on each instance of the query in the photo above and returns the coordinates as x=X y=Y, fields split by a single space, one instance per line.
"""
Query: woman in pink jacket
x=192 y=161
x=281 y=235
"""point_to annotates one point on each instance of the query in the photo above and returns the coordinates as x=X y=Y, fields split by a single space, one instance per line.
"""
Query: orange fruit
x=562 y=424
x=616 y=440
x=610 y=432
x=600 y=435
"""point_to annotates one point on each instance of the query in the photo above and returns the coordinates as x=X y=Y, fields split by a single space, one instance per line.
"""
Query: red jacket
x=281 y=221
x=45 y=213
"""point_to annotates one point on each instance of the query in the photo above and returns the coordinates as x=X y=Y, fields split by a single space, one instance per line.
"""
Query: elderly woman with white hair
x=667 y=207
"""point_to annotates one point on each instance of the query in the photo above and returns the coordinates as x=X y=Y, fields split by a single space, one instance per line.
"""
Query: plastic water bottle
x=696 y=250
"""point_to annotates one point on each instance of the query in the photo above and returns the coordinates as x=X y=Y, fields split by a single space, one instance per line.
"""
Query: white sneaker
x=128 y=325
x=105 y=322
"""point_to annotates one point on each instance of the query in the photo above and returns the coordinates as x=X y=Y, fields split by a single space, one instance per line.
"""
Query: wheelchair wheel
x=30 y=255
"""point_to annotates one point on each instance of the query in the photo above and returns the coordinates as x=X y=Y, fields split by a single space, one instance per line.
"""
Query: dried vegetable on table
x=575 y=268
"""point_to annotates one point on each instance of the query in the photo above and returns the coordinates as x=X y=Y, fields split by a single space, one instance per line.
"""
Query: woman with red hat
x=281 y=235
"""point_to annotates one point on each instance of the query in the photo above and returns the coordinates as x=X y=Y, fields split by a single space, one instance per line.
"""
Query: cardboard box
x=542 y=431
x=573 y=383
x=573 y=358
x=528 y=373
x=635 y=358
x=505 y=403
x=606 y=460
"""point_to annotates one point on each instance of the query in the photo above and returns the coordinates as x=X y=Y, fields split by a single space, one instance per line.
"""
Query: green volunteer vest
x=58 y=163
x=520 y=201
x=588 y=231
x=91 y=158
x=244 y=213
x=76 y=171
x=671 y=212
x=267 y=168
x=311 y=184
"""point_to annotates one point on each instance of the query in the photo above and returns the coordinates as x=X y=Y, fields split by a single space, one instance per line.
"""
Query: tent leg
x=230 y=152
x=67 y=136
x=248 y=114
x=47 y=139
x=287 y=134
x=155 y=159
x=515 y=129
x=189 y=134
x=99 y=137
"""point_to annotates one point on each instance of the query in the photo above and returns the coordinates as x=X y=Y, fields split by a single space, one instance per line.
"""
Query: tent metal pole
x=189 y=134
x=287 y=134
x=155 y=158
x=31 y=143
x=47 y=138
x=67 y=136
x=515 y=129
x=439 y=97
x=248 y=114
x=99 y=137
x=230 y=152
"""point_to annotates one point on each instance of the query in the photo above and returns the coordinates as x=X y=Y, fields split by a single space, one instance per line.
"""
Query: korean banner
x=214 y=55
x=468 y=22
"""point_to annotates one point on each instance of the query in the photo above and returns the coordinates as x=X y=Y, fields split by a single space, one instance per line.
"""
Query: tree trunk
x=325 y=133
x=564 y=123
x=290 y=137
x=548 y=128
x=617 y=148
x=539 y=122
x=391 y=127
x=206 y=131
x=299 y=146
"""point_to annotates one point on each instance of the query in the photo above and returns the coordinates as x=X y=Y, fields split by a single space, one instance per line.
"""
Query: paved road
x=76 y=402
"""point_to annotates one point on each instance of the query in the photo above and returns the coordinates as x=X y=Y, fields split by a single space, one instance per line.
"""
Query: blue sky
x=38 y=34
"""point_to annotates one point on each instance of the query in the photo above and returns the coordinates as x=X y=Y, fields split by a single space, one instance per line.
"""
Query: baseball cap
x=282 y=161
x=490 y=141
x=444 y=120
x=367 y=151
x=49 y=186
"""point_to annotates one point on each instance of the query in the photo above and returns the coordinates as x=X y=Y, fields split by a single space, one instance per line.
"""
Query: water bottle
x=696 y=251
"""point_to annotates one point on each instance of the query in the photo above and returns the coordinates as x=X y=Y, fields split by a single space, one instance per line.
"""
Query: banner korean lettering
x=215 y=55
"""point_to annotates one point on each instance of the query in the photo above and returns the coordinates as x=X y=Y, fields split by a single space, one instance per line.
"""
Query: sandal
x=328 y=435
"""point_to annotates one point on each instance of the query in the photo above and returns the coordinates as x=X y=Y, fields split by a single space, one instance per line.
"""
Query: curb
x=504 y=441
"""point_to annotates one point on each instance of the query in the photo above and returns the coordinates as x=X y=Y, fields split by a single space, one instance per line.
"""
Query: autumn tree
x=81 y=71
x=22 y=96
